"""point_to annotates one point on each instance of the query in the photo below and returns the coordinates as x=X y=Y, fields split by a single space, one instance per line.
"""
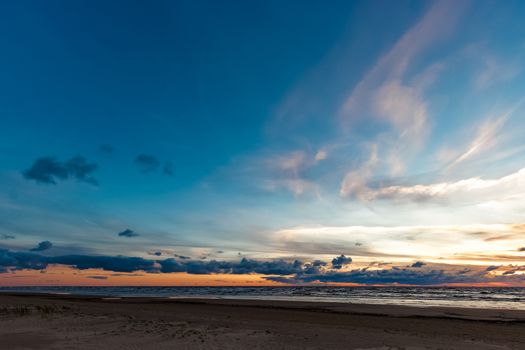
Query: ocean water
x=490 y=298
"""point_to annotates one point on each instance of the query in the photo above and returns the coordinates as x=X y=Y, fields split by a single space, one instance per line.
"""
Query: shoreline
x=32 y=320
x=372 y=309
x=410 y=303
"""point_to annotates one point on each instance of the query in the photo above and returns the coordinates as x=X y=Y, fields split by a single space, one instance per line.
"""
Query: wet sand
x=73 y=322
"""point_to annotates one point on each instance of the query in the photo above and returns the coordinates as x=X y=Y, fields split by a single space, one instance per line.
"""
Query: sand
x=69 y=322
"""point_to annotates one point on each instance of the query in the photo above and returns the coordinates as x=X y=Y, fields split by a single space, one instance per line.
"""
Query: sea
x=467 y=297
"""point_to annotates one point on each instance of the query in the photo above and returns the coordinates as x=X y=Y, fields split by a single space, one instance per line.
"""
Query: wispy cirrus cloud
x=494 y=69
x=395 y=93
x=355 y=182
x=392 y=92
x=474 y=189
x=404 y=107
x=385 y=87
x=489 y=134
x=280 y=171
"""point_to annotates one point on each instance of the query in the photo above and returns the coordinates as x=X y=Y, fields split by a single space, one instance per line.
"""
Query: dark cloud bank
x=49 y=170
x=392 y=276
x=293 y=272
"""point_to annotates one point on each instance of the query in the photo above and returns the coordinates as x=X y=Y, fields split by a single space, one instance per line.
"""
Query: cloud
x=321 y=154
x=183 y=257
x=401 y=276
x=156 y=253
x=276 y=270
x=15 y=261
x=106 y=148
x=450 y=243
x=98 y=277
x=20 y=260
x=275 y=267
x=171 y=265
x=355 y=182
x=277 y=172
x=80 y=169
x=314 y=267
x=286 y=171
x=296 y=186
x=418 y=264
x=364 y=276
x=168 y=168
x=395 y=91
x=147 y=163
x=6 y=237
x=291 y=162
x=393 y=64
x=44 y=245
x=494 y=69
x=245 y=266
x=483 y=189
x=486 y=138
x=107 y=263
x=128 y=233
x=339 y=262
x=404 y=107
x=515 y=270
x=48 y=170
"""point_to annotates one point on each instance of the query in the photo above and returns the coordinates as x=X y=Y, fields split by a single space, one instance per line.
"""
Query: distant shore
x=42 y=321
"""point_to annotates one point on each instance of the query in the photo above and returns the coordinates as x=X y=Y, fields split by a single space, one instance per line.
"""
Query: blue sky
x=390 y=132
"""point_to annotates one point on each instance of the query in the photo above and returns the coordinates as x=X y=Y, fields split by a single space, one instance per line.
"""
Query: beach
x=33 y=321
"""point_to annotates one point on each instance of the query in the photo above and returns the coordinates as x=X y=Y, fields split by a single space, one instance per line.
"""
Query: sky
x=262 y=143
